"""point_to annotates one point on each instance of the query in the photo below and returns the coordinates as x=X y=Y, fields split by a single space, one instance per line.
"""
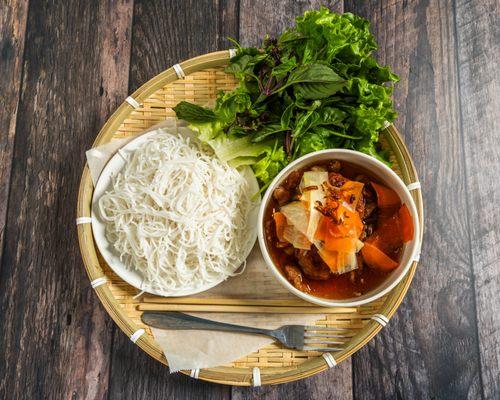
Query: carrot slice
x=344 y=245
x=336 y=230
x=386 y=197
x=330 y=258
x=355 y=223
x=406 y=223
x=352 y=226
x=280 y=222
x=322 y=229
x=376 y=259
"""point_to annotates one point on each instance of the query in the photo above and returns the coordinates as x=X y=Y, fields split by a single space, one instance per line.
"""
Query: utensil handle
x=181 y=321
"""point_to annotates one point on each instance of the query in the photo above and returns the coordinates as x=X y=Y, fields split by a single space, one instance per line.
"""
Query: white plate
x=107 y=250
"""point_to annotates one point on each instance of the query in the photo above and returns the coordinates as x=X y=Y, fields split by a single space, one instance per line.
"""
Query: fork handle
x=181 y=321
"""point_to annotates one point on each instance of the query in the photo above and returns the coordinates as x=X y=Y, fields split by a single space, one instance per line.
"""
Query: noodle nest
x=177 y=215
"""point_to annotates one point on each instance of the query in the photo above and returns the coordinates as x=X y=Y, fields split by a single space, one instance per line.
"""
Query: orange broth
x=341 y=286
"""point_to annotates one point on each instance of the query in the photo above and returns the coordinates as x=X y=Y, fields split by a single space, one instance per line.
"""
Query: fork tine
x=330 y=335
x=311 y=342
x=321 y=348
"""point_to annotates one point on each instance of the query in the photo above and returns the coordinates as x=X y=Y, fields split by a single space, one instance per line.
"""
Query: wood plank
x=256 y=19
x=164 y=33
x=55 y=336
x=186 y=29
x=259 y=17
x=333 y=384
x=478 y=46
x=12 y=32
x=227 y=23
x=114 y=39
x=429 y=349
x=135 y=375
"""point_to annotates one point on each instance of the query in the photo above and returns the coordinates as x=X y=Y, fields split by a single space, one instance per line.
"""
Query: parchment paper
x=204 y=349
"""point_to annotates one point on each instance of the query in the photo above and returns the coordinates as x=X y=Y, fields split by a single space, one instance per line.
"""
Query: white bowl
x=385 y=175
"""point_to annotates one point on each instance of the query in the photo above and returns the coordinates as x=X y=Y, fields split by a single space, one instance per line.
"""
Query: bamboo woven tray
x=199 y=79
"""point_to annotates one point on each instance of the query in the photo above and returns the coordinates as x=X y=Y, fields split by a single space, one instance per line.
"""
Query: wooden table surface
x=65 y=67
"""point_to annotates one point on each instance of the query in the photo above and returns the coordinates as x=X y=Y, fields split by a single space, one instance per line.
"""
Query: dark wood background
x=64 y=68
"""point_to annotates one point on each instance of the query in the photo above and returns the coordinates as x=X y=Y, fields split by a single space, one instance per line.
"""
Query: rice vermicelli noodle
x=177 y=214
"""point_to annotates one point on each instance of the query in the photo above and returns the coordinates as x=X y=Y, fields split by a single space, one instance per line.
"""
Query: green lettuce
x=316 y=86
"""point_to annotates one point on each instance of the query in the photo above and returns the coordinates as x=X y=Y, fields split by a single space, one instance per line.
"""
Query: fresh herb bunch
x=315 y=87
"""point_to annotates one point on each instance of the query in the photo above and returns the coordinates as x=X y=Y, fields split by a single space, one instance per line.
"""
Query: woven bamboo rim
x=204 y=77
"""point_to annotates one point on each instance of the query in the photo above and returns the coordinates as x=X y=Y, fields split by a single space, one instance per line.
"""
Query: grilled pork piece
x=282 y=195
x=312 y=266
x=294 y=275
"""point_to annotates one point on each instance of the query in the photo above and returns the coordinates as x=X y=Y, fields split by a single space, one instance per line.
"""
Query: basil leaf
x=287 y=114
x=290 y=35
x=287 y=65
x=304 y=104
x=314 y=81
x=266 y=131
x=318 y=91
x=331 y=116
x=304 y=122
x=229 y=104
x=313 y=73
x=244 y=62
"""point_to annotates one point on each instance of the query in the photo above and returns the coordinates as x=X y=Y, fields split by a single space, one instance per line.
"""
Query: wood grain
x=12 y=32
x=334 y=384
x=429 y=349
x=256 y=19
x=114 y=40
x=478 y=31
x=135 y=375
x=166 y=32
x=65 y=68
x=227 y=23
x=55 y=336
x=185 y=29
x=260 y=17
